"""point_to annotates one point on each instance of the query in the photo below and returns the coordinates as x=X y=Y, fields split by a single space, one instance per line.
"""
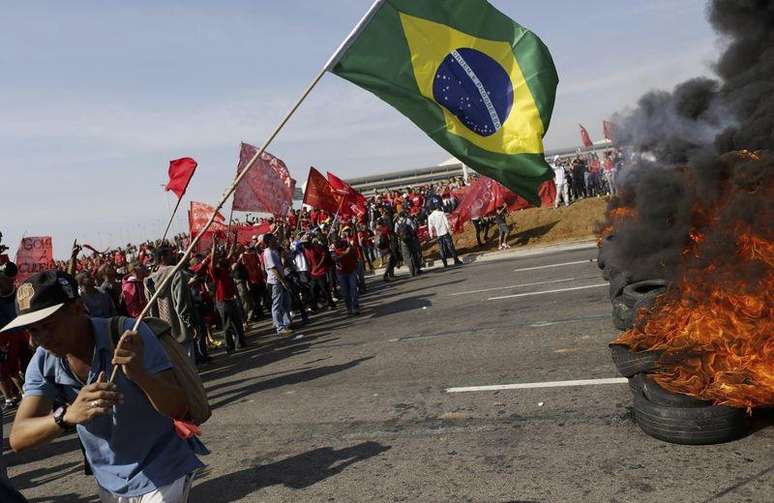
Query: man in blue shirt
x=126 y=426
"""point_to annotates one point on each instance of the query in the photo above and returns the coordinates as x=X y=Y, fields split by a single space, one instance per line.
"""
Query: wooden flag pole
x=169 y=224
x=230 y=190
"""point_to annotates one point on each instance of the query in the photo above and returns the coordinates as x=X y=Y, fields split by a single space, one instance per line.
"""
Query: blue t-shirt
x=135 y=450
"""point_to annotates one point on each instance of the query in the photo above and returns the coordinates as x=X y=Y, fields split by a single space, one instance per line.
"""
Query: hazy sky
x=98 y=96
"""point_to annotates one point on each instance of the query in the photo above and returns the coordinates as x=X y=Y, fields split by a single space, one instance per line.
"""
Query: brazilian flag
x=476 y=82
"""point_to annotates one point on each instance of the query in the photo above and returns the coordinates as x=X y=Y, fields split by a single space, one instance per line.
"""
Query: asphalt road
x=358 y=409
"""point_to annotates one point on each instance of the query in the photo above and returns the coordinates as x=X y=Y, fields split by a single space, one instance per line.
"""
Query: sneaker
x=285 y=331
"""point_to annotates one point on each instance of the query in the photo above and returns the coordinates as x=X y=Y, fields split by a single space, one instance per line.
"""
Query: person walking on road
x=438 y=226
x=126 y=427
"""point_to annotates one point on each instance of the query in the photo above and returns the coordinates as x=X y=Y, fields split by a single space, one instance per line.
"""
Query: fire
x=614 y=216
x=716 y=324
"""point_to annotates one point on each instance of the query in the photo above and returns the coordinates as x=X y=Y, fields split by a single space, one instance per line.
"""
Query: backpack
x=185 y=372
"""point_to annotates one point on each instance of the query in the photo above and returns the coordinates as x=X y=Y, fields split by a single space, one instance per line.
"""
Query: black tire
x=635 y=384
x=690 y=425
x=630 y=363
x=659 y=396
x=641 y=290
x=623 y=315
x=618 y=280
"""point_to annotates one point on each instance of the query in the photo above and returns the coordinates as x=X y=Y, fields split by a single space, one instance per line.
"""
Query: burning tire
x=618 y=280
x=604 y=252
x=630 y=363
x=623 y=315
x=690 y=425
x=659 y=396
x=643 y=291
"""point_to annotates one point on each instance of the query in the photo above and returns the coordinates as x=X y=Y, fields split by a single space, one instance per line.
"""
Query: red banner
x=585 y=138
x=320 y=194
x=200 y=214
x=180 y=173
x=35 y=254
x=244 y=232
x=267 y=187
x=485 y=195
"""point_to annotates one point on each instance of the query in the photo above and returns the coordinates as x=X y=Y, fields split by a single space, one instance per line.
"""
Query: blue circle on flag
x=475 y=88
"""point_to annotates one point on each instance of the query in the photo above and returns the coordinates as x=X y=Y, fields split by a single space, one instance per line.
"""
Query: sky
x=98 y=96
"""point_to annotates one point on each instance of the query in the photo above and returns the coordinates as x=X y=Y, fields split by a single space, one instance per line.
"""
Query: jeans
x=348 y=284
x=280 y=307
x=448 y=250
x=231 y=316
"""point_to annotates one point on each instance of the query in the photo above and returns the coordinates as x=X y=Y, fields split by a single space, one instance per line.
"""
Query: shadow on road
x=401 y=305
x=221 y=399
x=296 y=472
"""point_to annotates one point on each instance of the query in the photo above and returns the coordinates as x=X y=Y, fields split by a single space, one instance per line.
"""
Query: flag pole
x=169 y=224
x=230 y=190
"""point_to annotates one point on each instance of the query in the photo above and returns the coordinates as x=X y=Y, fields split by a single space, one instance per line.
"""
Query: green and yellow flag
x=476 y=82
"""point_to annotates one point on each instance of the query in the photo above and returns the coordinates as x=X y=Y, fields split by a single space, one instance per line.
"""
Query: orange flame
x=614 y=216
x=716 y=325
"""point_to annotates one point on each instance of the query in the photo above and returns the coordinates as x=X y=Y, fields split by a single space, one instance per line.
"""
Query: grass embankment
x=536 y=226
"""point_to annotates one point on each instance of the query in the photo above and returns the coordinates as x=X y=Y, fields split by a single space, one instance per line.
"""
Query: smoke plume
x=678 y=140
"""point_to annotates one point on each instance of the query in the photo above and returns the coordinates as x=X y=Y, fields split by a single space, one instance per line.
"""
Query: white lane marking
x=549 y=266
x=467 y=292
x=533 y=385
x=528 y=294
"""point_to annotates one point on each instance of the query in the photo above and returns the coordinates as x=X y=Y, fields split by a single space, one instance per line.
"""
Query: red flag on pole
x=585 y=138
x=180 y=173
x=608 y=130
x=320 y=194
x=267 y=187
x=354 y=201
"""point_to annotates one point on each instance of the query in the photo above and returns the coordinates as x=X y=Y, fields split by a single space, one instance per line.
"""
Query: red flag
x=319 y=193
x=354 y=202
x=267 y=187
x=585 y=138
x=200 y=214
x=485 y=195
x=180 y=173
x=608 y=130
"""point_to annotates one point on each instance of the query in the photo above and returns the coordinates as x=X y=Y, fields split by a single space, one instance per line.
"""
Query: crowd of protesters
x=586 y=175
x=309 y=261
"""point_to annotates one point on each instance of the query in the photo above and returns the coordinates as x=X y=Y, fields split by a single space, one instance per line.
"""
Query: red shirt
x=253 y=266
x=346 y=259
x=316 y=259
x=225 y=289
x=353 y=242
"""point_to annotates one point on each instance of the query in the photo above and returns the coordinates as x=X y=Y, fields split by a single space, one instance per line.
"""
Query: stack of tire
x=675 y=417
x=667 y=416
x=626 y=296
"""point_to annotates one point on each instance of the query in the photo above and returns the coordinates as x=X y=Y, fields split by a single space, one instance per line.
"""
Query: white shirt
x=300 y=261
x=559 y=177
x=438 y=224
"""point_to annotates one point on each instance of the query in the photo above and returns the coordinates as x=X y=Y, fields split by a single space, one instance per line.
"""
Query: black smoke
x=679 y=146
